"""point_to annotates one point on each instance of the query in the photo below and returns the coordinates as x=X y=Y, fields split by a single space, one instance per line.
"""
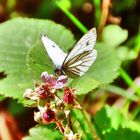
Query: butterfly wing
x=81 y=56
x=55 y=53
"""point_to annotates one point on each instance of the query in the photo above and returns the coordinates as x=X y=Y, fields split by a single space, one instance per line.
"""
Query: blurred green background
x=125 y=13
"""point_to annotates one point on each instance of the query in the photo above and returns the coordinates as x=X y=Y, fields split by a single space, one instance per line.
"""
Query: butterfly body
x=80 y=58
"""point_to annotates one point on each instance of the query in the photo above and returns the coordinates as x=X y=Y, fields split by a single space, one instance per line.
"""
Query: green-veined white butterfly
x=80 y=58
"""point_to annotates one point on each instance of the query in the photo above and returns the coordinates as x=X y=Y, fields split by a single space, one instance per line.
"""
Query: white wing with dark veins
x=82 y=56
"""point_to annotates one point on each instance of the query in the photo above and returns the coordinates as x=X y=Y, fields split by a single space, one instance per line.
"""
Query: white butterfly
x=80 y=58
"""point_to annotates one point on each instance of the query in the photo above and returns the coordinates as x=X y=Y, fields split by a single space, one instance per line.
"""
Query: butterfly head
x=42 y=35
x=59 y=71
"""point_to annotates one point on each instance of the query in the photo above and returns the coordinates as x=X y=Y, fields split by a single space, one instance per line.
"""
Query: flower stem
x=90 y=126
x=72 y=17
x=69 y=122
x=104 y=15
x=60 y=126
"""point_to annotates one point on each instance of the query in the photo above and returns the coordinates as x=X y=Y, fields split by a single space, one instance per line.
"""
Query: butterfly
x=78 y=60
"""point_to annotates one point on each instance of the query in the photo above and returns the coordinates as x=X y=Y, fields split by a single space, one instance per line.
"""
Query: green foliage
x=2 y=98
x=44 y=7
x=15 y=51
x=97 y=4
x=111 y=123
x=125 y=4
x=120 y=91
x=15 y=108
x=65 y=3
x=41 y=132
x=114 y=35
x=72 y=17
x=23 y=58
x=14 y=47
x=81 y=125
x=126 y=54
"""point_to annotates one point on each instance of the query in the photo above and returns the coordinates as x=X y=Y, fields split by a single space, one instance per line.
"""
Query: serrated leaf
x=108 y=118
x=121 y=134
x=114 y=35
x=43 y=133
x=17 y=36
x=80 y=125
x=111 y=123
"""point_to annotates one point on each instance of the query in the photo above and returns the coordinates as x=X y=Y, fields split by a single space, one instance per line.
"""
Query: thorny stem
x=90 y=127
x=60 y=126
x=48 y=104
x=69 y=122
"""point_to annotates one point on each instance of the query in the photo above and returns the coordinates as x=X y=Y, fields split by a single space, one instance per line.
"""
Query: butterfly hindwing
x=81 y=56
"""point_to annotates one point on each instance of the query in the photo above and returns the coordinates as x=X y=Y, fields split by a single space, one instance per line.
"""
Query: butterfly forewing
x=54 y=52
x=81 y=56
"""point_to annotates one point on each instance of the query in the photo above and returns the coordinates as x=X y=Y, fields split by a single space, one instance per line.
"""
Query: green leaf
x=43 y=133
x=111 y=123
x=122 y=134
x=38 y=61
x=114 y=35
x=15 y=108
x=17 y=36
x=2 y=98
x=80 y=125
x=126 y=54
x=120 y=91
x=108 y=118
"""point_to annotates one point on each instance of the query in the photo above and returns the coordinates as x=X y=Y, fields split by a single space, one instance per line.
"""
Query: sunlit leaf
x=80 y=125
x=114 y=35
x=111 y=123
x=17 y=36
x=43 y=133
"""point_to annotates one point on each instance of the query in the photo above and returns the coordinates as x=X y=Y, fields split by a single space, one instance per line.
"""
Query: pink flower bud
x=68 y=96
x=61 y=82
x=53 y=82
x=45 y=91
x=49 y=116
x=46 y=78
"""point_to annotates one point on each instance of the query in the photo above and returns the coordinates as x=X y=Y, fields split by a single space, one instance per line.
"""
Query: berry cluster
x=53 y=105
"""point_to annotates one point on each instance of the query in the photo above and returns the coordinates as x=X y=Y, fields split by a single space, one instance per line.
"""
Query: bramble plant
x=95 y=106
x=52 y=108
